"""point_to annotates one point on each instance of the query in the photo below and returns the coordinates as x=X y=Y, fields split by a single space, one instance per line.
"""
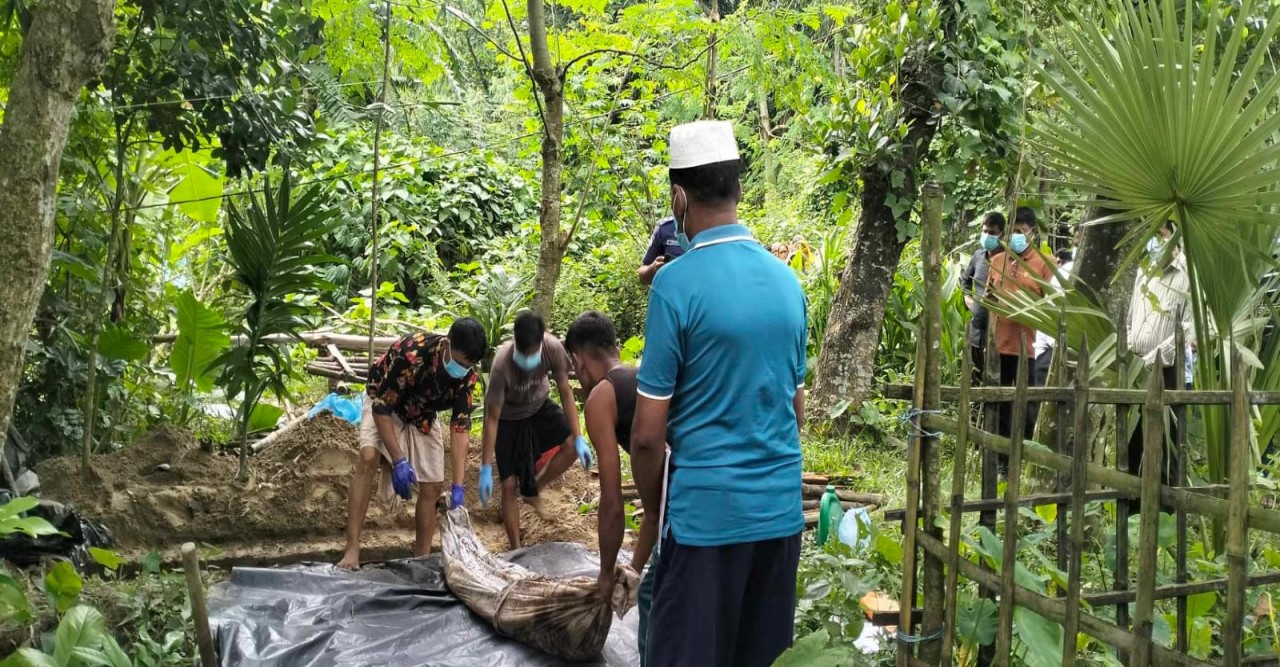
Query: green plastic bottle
x=829 y=514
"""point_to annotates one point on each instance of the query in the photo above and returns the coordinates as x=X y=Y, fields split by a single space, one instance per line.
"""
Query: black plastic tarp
x=398 y=614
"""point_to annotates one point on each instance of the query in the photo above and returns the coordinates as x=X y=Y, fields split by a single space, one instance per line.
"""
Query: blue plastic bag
x=855 y=528
x=346 y=407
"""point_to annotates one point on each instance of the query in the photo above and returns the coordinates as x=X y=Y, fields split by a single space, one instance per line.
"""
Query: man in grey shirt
x=521 y=422
x=974 y=283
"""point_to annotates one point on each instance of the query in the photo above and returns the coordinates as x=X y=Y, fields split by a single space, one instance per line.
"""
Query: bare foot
x=350 y=561
x=536 y=503
x=419 y=552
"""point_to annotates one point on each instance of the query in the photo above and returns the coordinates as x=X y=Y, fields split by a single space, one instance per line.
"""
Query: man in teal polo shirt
x=722 y=380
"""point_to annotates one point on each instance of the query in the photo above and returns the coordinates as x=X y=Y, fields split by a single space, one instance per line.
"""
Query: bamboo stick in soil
x=1149 y=523
x=957 y=510
x=910 y=522
x=934 y=588
x=1240 y=464
x=1079 y=483
x=1181 y=640
x=1120 y=581
x=1008 y=563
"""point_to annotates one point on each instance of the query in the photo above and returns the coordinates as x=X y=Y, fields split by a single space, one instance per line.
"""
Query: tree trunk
x=65 y=45
x=713 y=58
x=552 y=246
x=846 y=363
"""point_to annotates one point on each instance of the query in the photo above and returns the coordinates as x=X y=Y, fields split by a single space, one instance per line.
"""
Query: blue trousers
x=731 y=605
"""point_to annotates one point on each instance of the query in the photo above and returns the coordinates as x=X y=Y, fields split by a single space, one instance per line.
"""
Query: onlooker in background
x=801 y=257
x=974 y=285
x=1020 y=268
x=663 y=247
x=781 y=250
x=1160 y=304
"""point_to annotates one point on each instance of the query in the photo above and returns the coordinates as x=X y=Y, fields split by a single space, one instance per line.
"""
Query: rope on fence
x=911 y=421
x=920 y=639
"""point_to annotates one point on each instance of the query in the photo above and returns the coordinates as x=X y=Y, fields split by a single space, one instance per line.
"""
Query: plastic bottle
x=829 y=514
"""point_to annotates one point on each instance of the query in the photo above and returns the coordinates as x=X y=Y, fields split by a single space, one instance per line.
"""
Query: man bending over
x=521 y=422
x=419 y=375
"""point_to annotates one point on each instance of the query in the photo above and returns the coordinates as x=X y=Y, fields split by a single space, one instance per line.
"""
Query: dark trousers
x=979 y=356
x=727 y=605
x=1004 y=414
x=1173 y=379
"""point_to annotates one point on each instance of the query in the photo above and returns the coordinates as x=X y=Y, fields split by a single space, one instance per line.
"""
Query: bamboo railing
x=936 y=569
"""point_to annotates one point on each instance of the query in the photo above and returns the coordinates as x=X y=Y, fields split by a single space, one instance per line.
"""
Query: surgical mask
x=1154 y=247
x=681 y=237
x=455 y=370
x=990 y=242
x=1019 y=243
x=527 y=362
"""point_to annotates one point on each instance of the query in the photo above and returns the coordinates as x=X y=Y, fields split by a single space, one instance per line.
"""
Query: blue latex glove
x=585 y=455
x=403 y=479
x=486 y=483
x=456 y=496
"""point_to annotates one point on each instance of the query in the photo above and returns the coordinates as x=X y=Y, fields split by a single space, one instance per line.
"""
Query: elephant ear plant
x=272 y=239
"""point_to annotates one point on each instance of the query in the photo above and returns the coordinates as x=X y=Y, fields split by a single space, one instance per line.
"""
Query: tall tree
x=899 y=140
x=550 y=82
x=65 y=46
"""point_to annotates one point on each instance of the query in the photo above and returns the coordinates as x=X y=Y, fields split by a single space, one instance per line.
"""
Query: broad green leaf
x=199 y=193
x=12 y=522
x=812 y=651
x=116 y=657
x=264 y=417
x=29 y=657
x=18 y=506
x=1041 y=637
x=201 y=338
x=119 y=343
x=81 y=628
x=63 y=584
x=1201 y=604
x=14 y=605
x=106 y=558
x=976 y=622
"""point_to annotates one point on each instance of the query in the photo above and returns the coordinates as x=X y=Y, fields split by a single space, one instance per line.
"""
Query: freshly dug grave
x=164 y=490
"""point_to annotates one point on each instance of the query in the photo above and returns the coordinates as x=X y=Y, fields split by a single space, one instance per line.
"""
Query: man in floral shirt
x=419 y=375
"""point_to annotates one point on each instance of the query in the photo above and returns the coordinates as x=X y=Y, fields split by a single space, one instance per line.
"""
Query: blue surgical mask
x=1154 y=247
x=681 y=237
x=455 y=370
x=990 y=241
x=1019 y=243
x=527 y=362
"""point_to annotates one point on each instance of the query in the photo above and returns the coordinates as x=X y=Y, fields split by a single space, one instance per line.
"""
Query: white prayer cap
x=702 y=142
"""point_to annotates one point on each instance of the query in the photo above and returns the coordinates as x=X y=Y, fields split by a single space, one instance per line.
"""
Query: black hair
x=591 y=333
x=466 y=336
x=1064 y=255
x=714 y=184
x=529 y=330
x=1025 y=215
x=994 y=219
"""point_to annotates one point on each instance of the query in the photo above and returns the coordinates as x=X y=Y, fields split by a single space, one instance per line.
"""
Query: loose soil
x=164 y=490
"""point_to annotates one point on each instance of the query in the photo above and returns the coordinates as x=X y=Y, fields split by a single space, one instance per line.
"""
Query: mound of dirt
x=164 y=490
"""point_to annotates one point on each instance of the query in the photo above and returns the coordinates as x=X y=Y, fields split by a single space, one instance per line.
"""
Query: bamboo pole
x=1013 y=480
x=1059 y=370
x=910 y=522
x=814 y=491
x=1079 y=482
x=1149 y=522
x=1180 y=590
x=1121 y=575
x=957 y=510
x=199 y=611
x=1054 y=609
x=1099 y=396
x=1191 y=501
x=1238 y=507
x=1180 y=630
x=989 y=482
x=934 y=589
x=1035 y=500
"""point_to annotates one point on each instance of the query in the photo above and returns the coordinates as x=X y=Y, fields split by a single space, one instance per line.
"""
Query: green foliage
x=830 y=585
x=493 y=300
x=816 y=650
x=272 y=246
x=63 y=585
x=12 y=521
x=201 y=339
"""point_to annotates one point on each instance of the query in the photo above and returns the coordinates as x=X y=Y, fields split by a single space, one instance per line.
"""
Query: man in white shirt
x=1160 y=304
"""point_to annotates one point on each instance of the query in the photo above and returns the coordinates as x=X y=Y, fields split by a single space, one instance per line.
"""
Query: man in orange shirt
x=1019 y=267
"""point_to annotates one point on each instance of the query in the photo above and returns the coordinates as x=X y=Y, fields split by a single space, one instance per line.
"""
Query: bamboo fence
x=934 y=568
